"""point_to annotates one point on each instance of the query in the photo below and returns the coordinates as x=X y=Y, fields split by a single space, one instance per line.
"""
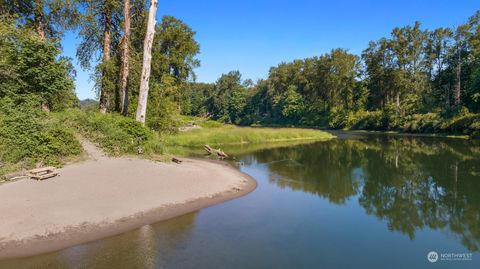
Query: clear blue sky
x=253 y=35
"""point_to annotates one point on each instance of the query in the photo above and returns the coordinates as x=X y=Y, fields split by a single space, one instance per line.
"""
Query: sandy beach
x=105 y=196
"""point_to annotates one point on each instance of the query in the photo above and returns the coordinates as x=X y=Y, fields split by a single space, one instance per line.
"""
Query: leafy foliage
x=416 y=80
x=116 y=134
x=31 y=67
x=28 y=136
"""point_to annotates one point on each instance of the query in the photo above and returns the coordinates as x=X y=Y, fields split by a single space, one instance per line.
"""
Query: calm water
x=361 y=202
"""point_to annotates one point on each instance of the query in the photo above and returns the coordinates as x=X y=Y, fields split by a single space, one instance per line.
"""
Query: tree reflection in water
x=411 y=182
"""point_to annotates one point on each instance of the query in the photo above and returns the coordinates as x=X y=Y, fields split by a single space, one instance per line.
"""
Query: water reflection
x=412 y=183
x=151 y=246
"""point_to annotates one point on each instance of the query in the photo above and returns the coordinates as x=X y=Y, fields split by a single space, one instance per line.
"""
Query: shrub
x=29 y=136
x=337 y=118
x=368 y=120
x=163 y=115
x=422 y=123
x=211 y=124
x=116 y=134
x=466 y=123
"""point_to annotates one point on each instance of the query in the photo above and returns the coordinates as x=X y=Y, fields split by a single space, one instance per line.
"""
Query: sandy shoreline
x=103 y=197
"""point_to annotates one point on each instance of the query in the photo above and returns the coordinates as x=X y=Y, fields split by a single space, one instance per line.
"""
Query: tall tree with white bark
x=147 y=60
x=124 y=69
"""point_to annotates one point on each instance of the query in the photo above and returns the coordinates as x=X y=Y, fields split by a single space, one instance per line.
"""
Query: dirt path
x=92 y=151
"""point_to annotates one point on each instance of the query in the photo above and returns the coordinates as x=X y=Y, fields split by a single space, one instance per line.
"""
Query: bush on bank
x=114 y=133
x=464 y=123
x=29 y=137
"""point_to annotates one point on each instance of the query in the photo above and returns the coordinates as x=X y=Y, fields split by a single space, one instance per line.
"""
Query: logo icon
x=432 y=256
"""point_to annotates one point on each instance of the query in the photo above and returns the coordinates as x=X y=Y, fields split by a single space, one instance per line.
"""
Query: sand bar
x=104 y=196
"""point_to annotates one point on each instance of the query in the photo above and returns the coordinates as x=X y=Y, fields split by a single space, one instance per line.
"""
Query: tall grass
x=230 y=135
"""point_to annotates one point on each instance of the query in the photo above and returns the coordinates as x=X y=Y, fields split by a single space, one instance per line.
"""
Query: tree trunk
x=124 y=69
x=106 y=57
x=398 y=103
x=147 y=59
x=458 y=72
x=447 y=96
x=440 y=86
x=39 y=17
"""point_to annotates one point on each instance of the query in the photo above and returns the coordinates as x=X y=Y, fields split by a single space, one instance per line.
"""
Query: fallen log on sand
x=177 y=161
x=211 y=150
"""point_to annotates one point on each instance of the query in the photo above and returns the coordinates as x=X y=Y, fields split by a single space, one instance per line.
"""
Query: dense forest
x=415 y=80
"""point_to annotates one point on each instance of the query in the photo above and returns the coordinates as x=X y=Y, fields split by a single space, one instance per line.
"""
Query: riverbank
x=227 y=134
x=104 y=196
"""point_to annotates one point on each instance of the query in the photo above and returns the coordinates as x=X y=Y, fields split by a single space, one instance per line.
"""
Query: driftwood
x=14 y=176
x=177 y=161
x=218 y=152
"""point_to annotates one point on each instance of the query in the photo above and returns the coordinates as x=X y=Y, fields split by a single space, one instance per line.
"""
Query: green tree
x=174 y=50
x=437 y=47
x=100 y=35
x=229 y=97
x=30 y=66
x=173 y=63
x=49 y=18
x=292 y=105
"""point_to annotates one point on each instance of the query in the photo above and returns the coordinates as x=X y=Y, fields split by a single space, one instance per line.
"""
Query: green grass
x=231 y=135
x=235 y=149
x=202 y=122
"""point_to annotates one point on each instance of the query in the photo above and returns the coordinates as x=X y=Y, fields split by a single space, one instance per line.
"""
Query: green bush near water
x=28 y=136
x=114 y=133
x=464 y=123
x=468 y=123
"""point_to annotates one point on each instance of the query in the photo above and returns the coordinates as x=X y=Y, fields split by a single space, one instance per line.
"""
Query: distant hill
x=88 y=103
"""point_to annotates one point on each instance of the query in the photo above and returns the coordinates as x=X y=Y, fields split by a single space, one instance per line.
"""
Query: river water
x=361 y=201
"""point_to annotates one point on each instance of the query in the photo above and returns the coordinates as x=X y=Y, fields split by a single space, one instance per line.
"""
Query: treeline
x=127 y=52
x=415 y=80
